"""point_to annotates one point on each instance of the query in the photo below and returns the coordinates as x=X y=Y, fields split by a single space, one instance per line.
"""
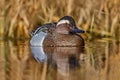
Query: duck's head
x=66 y=25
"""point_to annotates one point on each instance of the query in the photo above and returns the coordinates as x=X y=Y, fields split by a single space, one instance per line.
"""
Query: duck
x=64 y=32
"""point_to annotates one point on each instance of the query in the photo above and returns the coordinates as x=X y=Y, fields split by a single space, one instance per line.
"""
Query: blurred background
x=99 y=18
x=99 y=59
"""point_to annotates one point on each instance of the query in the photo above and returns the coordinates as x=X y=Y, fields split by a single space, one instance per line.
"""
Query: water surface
x=97 y=60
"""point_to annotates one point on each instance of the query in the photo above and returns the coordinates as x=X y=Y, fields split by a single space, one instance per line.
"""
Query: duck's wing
x=39 y=34
x=43 y=28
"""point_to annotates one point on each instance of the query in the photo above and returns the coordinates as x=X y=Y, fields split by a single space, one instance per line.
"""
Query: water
x=97 y=60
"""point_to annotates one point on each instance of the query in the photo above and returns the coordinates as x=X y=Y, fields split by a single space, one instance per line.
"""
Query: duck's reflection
x=38 y=53
x=62 y=58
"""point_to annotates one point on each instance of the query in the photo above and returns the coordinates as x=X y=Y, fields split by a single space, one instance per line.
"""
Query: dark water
x=97 y=60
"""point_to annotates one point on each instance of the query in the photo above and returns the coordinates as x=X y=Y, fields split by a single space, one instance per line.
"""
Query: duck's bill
x=77 y=31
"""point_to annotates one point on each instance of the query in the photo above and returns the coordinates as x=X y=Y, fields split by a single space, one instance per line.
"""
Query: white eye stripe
x=62 y=22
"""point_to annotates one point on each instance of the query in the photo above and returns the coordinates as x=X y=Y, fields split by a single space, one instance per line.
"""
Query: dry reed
x=101 y=17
